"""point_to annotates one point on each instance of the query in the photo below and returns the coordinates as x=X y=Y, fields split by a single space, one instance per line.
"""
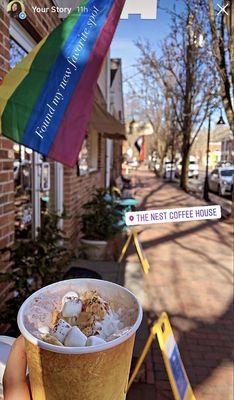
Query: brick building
x=28 y=182
x=117 y=109
x=227 y=150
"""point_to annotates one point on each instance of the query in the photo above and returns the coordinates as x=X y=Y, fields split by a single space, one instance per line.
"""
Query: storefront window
x=22 y=168
x=23 y=191
x=23 y=173
x=93 y=159
x=83 y=158
x=88 y=157
x=16 y=53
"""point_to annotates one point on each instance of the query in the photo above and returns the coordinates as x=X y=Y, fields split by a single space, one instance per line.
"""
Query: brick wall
x=6 y=156
x=38 y=25
x=43 y=23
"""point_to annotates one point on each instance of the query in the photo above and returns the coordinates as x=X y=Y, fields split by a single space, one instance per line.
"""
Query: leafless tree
x=222 y=31
x=152 y=103
x=186 y=71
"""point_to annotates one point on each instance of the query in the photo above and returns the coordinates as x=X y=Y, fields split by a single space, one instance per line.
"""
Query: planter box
x=94 y=249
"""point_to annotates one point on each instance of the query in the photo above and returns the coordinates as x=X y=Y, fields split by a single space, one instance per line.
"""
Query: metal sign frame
x=133 y=234
x=177 y=375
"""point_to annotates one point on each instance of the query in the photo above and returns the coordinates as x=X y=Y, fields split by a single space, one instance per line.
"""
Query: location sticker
x=172 y=215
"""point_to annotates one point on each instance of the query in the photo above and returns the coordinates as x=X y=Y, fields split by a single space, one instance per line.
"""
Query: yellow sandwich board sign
x=174 y=366
x=175 y=369
x=139 y=249
x=141 y=253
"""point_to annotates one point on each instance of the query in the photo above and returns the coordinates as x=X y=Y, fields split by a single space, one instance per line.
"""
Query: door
x=27 y=214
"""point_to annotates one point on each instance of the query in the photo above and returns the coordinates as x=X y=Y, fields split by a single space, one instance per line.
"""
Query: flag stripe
x=55 y=96
x=47 y=102
x=21 y=104
x=72 y=130
x=13 y=80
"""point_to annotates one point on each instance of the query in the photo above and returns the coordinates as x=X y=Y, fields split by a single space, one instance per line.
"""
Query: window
x=88 y=157
x=17 y=53
x=22 y=166
x=31 y=172
x=227 y=172
x=83 y=158
x=93 y=151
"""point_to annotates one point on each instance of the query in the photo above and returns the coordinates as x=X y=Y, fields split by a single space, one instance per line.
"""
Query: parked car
x=193 y=170
x=221 y=180
x=169 y=169
x=153 y=163
x=133 y=164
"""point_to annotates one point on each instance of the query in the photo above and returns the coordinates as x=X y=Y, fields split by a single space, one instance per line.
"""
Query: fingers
x=14 y=381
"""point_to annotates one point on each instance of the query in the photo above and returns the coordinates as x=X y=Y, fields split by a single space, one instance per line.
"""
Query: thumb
x=14 y=380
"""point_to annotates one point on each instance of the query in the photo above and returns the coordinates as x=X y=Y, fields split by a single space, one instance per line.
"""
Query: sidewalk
x=191 y=279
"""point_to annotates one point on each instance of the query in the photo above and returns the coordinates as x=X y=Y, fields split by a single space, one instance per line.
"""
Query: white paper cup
x=85 y=373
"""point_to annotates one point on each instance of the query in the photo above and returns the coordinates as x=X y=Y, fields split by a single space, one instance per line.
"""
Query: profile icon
x=16 y=9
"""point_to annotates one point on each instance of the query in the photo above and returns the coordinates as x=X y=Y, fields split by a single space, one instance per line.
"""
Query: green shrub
x=35 y=263
x=100 y=220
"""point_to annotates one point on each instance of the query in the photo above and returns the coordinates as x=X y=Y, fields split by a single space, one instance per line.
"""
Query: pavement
x=191 y=278
x=196 y=186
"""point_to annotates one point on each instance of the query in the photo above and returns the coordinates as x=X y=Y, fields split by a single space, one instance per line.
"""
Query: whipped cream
x=109 y=325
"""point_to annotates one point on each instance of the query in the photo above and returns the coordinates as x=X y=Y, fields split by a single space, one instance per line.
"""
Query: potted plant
x=99 y=224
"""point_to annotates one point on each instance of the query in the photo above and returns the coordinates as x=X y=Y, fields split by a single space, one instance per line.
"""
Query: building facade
x=31 y=184
x=117 y=110
x=227 y=149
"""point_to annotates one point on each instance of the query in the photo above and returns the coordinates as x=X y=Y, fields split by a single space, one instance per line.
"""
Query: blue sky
x=130 y=30
x=134 y=28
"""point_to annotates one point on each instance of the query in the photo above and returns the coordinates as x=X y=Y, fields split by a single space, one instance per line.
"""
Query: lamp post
x=206 y=184
x=221 y=120
x=172 y=154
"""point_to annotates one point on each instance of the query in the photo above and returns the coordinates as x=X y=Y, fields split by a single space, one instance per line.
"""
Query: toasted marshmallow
x=119 y=333
x=48 y=338
x=71 y=320
x=108 y=326
x=72 y=308
x=94 y=341
x=75 y=338
x=44 y=329
x=70 y=295
x=61 y=329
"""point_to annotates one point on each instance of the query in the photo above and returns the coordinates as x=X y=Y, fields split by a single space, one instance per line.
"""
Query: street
x=197 y=187
x=191 y=279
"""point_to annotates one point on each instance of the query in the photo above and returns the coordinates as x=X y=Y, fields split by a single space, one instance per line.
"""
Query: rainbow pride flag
x=46 y=100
